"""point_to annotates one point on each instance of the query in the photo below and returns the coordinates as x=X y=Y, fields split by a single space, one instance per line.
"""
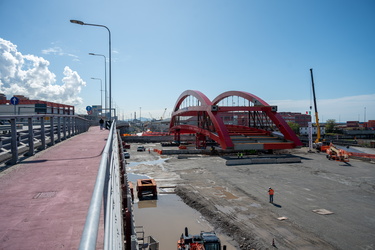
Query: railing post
x=42 y=133
x=69 y=127
x=31 y=137
x=58 y=128
x=14 y=142
x=64 y=127
x=74 y=129
x=51 y=132
x=76 y=122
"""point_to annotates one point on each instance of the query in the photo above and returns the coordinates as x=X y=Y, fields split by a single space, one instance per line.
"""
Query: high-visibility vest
x=270 y=191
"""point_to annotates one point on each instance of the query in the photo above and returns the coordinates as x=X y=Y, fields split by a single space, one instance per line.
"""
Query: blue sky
x=162 y=47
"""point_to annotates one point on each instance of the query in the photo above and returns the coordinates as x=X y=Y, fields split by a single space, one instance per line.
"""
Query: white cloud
x=54 y=51
x=58 y=51
x=30 y=76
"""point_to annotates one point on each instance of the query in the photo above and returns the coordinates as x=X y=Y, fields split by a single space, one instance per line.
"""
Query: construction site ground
x=318 y=204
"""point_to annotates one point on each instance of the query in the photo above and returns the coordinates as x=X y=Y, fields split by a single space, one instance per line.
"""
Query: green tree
x=294 y=126
x=330 y=125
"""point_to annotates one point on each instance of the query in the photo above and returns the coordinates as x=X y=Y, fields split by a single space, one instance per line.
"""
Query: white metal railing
x=111 y=192
x=26 y=133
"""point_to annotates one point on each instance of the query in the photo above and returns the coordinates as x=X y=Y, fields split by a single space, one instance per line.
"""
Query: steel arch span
x=234 y=119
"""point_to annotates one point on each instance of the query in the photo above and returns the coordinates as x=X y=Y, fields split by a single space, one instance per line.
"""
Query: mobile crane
x=316 y=109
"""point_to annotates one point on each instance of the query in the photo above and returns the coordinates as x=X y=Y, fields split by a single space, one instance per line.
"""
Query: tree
x=330 y=125
x=294 y=126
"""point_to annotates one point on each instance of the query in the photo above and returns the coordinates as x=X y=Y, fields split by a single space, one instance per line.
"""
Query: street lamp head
x=91 y=54
x=77 y=22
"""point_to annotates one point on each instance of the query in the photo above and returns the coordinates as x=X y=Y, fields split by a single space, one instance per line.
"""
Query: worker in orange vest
x=271 y=192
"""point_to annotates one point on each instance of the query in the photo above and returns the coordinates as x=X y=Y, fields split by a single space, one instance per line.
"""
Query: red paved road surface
x=44 y=199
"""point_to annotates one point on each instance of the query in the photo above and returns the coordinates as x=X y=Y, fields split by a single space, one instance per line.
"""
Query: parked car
x=126 y=155
x=141 y=148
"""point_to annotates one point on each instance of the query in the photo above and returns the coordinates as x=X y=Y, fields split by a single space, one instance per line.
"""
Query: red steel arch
x=209 y=122
x=214 y=129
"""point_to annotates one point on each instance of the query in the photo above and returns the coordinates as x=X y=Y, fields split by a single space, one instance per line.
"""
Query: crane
x=162 y=117
x=316 y=109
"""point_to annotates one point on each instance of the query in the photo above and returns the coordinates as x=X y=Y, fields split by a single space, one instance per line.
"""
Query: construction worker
x=101 y=123
x=271 y=192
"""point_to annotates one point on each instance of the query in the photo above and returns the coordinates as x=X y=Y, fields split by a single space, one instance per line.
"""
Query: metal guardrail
x=42 y=130
x=112 y=190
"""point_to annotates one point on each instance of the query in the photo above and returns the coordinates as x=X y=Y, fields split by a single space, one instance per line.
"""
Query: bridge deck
x=45 y=198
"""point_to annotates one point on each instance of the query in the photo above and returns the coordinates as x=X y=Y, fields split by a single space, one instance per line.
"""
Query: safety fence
x=112 y=193
x=28 y=133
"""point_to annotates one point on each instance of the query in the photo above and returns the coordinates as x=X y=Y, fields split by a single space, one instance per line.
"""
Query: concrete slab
x=44 y=199
x=262 y=160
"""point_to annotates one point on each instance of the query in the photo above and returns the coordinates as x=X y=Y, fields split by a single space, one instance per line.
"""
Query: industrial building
x=25 y=106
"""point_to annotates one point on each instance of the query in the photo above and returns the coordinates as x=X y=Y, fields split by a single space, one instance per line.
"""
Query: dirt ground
x=234 y=198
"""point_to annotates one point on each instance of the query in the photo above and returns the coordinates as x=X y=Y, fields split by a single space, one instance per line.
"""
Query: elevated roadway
x=45 y=198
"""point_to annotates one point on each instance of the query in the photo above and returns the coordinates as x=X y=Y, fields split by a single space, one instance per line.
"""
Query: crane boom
x=316 y=109
x=162 y=117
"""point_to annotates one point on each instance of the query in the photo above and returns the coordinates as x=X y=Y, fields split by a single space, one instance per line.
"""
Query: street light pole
x=105 y=80
x=110 y=61
x=101 y=92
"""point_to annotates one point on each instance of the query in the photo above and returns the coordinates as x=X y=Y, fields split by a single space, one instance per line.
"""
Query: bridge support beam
x=200 y=141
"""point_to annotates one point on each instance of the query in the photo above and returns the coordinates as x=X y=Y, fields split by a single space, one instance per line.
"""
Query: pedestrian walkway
x=44 y=199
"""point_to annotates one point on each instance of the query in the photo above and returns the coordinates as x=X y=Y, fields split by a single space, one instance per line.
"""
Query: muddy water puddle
x=166 y=217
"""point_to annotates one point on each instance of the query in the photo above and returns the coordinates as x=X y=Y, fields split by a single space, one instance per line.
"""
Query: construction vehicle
x=334 y=153
x=146 y=187
x=316 y=109
x=125 y=145
x=322 y=146
x=202 y=241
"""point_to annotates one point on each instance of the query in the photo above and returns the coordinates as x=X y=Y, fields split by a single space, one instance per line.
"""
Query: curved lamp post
x=110 y=61
x=101 y=94
x=105 y=79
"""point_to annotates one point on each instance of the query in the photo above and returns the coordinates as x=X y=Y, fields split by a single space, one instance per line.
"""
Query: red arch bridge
x=236 y=120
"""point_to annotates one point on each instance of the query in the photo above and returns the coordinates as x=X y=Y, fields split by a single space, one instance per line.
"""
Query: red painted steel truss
x=234 y=119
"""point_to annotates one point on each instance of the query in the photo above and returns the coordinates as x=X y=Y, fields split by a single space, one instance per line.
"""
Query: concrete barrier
x=289 y=160
x=262 y=160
